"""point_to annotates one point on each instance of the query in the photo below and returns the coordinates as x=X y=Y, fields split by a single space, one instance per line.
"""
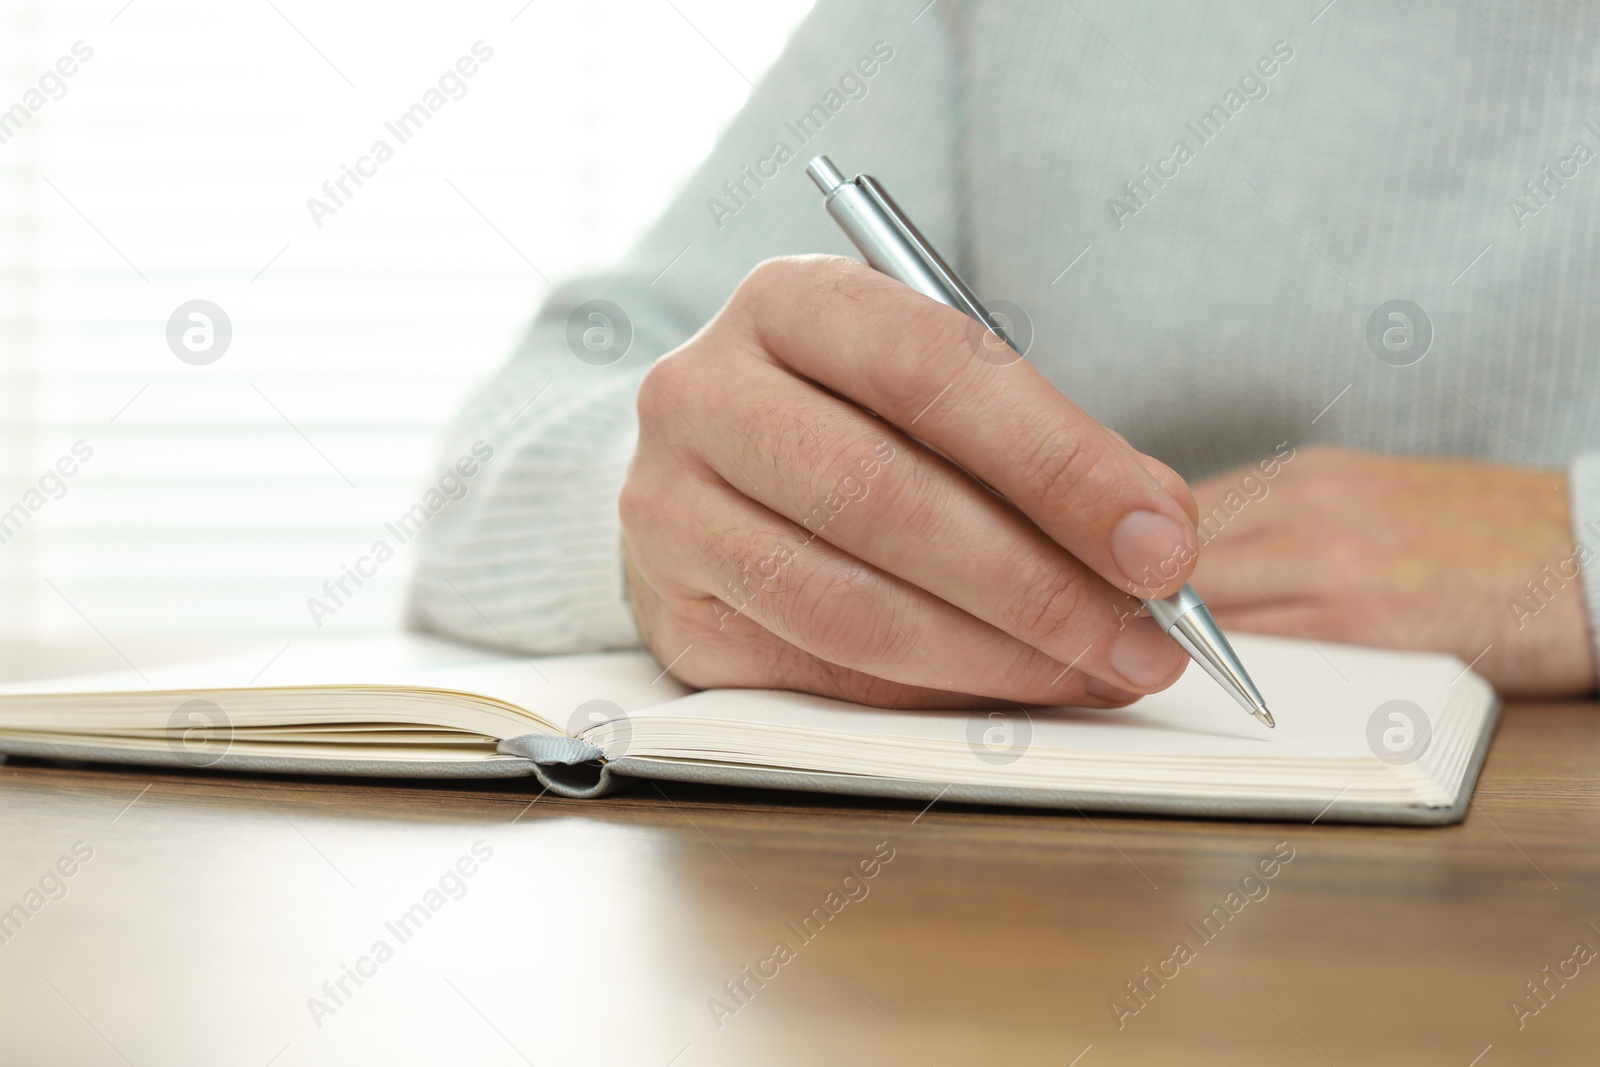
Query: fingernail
x=1107 y=691
x=1151 y=549
x=1143 y=655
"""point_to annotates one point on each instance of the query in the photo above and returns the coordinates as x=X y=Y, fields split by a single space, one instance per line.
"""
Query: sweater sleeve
x=530 y=558
x=1584 y=489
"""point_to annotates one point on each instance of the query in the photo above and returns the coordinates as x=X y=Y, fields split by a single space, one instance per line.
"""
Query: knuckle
x=910 y=359
x=709 y=644
x=827 y=616
x=901 y=346
x=662 y=387
x=651 y=500
x=1052 y=611
x=640 y=504
x=846 y=474
x=1032 y=676
x=833 y=277
x=915 y=499
x=779 y=277
x=684 y=386
x=768 y=275
x=814 y=442
x=753 y=291
x=1052 y=471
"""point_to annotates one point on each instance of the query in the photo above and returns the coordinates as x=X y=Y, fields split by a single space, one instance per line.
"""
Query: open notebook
x=1363 y=735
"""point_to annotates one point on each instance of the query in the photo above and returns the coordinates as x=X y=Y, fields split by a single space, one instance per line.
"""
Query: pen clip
x=953 y=284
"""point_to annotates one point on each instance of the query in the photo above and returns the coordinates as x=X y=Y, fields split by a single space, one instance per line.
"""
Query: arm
x=1478 y=559
x=808 y=503
x=1584 y=487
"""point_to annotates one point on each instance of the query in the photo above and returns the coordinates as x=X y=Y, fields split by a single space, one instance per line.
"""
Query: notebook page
x=551 y=688
x=1323 y=696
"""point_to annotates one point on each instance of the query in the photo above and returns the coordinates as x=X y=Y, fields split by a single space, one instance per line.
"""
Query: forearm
x=1584 y=495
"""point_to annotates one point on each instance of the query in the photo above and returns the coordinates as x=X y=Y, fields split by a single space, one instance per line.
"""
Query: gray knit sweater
x=1204 y=209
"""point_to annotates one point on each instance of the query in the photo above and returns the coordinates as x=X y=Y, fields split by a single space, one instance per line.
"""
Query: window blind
x=155 y=154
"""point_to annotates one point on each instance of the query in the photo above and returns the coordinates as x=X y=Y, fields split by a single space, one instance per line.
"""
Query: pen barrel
x=1187 y=620
x=891 y=243
x=884 y=247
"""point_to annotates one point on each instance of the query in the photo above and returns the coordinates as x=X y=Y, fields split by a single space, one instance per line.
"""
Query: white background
x=177 y=166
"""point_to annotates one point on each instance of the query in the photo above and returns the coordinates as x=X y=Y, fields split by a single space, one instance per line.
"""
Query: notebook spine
x=565 y=766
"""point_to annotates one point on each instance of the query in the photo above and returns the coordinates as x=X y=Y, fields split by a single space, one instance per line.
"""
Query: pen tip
x=1265 y=716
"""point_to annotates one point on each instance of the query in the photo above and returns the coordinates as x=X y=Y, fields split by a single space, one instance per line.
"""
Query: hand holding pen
x=832 y=493
x=891 y=243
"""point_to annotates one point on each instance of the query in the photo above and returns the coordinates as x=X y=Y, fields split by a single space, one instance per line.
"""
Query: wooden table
x=214 y=908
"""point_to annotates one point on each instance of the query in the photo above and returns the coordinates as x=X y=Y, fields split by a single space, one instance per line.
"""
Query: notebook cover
x=596 y=778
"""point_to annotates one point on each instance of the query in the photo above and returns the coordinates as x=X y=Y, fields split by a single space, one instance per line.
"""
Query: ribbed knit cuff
x=531 y=559
x=1584 y=490
x=589 y=578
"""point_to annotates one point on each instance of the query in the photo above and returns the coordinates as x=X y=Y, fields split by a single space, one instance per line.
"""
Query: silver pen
x=890 y=243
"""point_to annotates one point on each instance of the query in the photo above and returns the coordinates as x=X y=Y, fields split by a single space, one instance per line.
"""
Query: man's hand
x=809 y=508
x=1402 y=553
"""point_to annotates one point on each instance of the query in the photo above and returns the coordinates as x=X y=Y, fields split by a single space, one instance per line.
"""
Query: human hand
x=1406 y=553
x=783 y=529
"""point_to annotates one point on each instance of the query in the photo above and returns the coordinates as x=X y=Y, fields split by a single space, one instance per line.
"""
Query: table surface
x=255 y=920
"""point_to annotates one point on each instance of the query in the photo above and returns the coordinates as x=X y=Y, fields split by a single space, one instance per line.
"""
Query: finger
x=1164 y=476
x=1168 y=479
x=737 y=653
x=865 y=488
x=845 y=612
x=912 y=360
x=720 y=649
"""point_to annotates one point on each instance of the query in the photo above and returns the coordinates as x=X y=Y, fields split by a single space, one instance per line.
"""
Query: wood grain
x=214 y=908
